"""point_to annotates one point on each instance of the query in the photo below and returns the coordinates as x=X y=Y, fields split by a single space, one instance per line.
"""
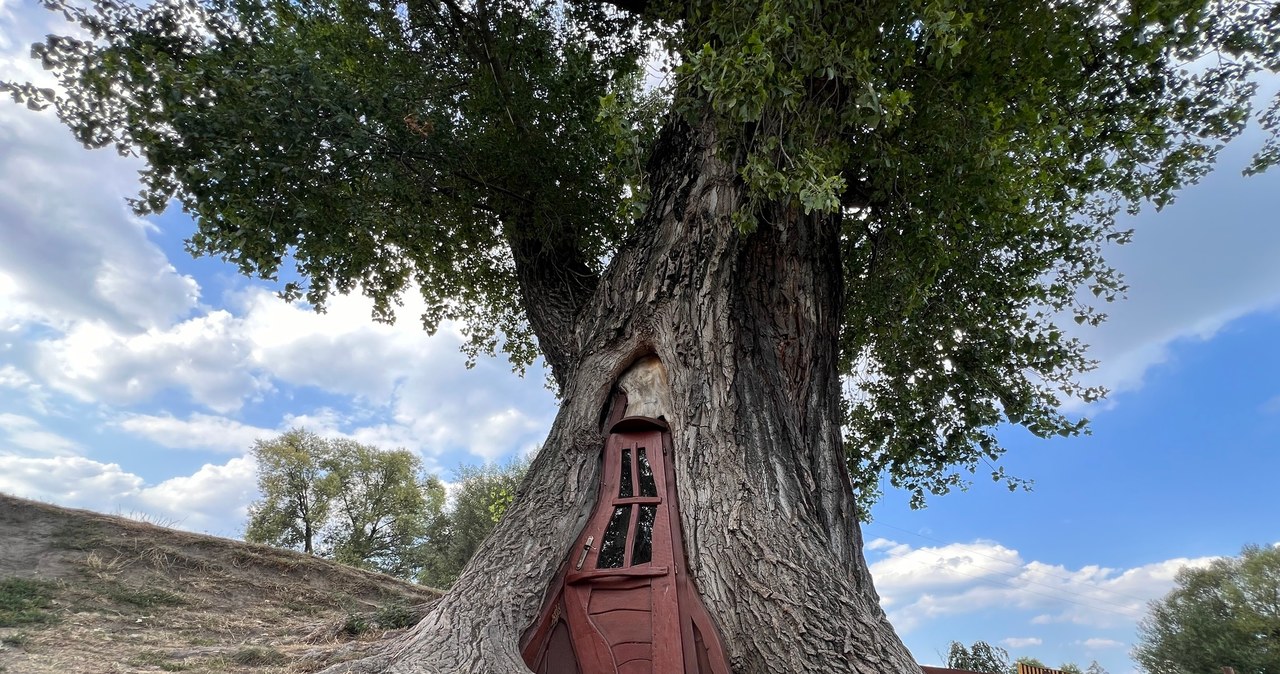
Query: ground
x=82 y=592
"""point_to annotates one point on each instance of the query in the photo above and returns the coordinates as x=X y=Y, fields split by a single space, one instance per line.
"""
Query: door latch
x=586 y=547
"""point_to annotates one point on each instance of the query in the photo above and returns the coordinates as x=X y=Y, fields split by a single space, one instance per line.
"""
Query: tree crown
x=975 y=157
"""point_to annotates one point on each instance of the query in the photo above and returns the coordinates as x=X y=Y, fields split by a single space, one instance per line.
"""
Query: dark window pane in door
x=614 y=546
x=647 y=487
x=643 y=550
x=625 y=490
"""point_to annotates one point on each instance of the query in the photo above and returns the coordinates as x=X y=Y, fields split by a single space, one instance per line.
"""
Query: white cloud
x=1099 y=643
x=920 y=584
x=214 y=499
x=1021 y=642
x=1192 y=269
x=68 y=480
x=27 y=433
x=203 y=357
x=69 y=247
x=198 y=431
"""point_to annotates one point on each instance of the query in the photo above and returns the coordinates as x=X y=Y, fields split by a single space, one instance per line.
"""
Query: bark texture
x=746 y=328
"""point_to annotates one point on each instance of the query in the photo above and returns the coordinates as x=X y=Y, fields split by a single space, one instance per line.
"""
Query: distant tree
x=1026 y=660
x=382 y=506
x=295 y=500
x=981 y=657
x=479 y=501
x=1070 y=668
x=1095 y=668
x=340 y=499
x=1224 y=615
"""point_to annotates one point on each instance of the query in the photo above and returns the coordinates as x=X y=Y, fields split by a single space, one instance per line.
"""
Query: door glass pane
x=643 y=550
x=625 y=479
x=647 y=488
x=614 y=545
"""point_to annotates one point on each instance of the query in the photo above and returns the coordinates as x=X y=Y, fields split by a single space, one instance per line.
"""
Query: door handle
x=586 y=547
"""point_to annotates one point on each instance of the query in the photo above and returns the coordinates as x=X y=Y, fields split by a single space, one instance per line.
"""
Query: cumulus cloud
x=202 y=357
x=1021 y=642
x=24 y=433
x=214 y=499
x=919 y=584
x=69 y=246
x=198 y=431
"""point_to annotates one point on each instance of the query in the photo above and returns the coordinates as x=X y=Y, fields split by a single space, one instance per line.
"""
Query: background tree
x=1026 y=660
x=382 y=506
x=480 y=498
x=1224 y=615
x=1096 y=668
x=981 y=657
x=910 y=193
x=340 y=499
x=295 y=499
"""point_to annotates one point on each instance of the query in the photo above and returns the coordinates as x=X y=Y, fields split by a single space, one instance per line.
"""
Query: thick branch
x=555 y=282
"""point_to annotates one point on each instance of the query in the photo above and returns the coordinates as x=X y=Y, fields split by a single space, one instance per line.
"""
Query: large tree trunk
x=746 y=327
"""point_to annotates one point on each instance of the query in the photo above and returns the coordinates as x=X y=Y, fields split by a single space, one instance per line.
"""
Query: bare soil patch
x=83 y=592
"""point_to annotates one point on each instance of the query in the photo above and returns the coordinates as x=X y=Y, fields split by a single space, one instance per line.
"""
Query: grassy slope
x=86 y=592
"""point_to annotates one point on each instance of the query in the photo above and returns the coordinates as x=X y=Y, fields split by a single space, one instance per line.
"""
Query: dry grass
x=88 y=593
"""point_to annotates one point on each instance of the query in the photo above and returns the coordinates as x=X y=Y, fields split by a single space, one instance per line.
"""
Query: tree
x=340 y=499
x=981 y=657
x=1224 y=615
x=906 y=194
x=1026 y=660
x=1096 y=668
x=382 y=508
x=480 y=498
x=295 y=501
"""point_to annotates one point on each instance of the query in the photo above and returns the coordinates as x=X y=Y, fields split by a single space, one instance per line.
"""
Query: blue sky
x=133 y=379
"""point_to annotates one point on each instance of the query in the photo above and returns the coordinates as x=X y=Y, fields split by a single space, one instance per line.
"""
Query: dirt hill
x=82 y=592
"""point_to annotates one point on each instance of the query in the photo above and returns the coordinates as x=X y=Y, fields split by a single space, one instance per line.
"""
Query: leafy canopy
x=981 y=657
x=343 y=500
x=1224 y=615
x=480 y=497
x=975 y=153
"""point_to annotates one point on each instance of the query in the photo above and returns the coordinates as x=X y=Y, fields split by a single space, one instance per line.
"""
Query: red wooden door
x=620 y=594
x=624 y=602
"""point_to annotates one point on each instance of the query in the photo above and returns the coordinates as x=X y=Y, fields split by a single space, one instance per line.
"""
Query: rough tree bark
x=746 y=327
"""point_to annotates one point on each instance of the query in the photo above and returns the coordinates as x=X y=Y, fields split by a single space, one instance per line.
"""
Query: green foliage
x=1095 y=668
x=295 y=498
x=974 y=155
x=981 y=657
x=1223 y=615
x=25 y=602
x=351 y=502
x=381 y=507
x=375 y=144
x=978 y=154
x=1026 y=660
x=480 y=497
x=395 y=615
